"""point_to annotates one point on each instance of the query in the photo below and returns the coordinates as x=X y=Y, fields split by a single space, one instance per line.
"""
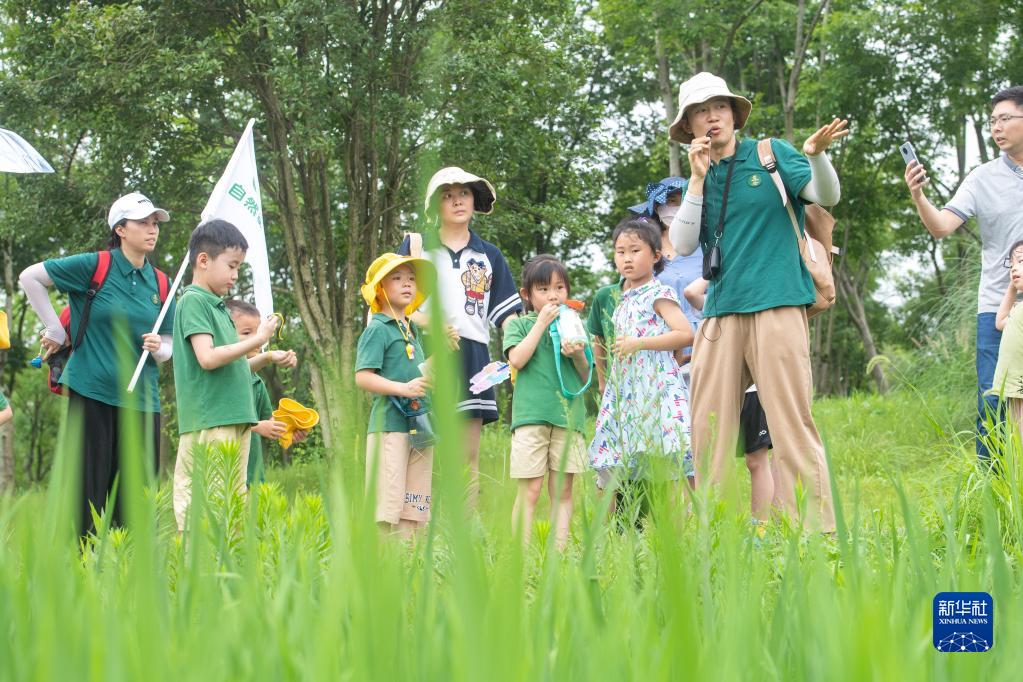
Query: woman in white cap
x=755 y=325
x=477 y=291
x=115 y=297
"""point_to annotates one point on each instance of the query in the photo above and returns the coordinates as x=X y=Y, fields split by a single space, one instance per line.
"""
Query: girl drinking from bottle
x=643 y=423
x=554 y=368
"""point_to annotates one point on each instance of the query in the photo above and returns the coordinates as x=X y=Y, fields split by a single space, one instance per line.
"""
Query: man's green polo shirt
x=760 y=263
x=125 y=308
x=208 y=398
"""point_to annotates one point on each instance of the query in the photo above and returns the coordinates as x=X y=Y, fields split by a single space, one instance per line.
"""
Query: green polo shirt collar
x=124 y=268
x=743 y=148
x=210 y=297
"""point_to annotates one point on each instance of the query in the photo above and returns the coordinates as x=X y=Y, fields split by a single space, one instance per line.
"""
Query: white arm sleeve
x=34 y=280
x=684 y=232
x=823 y=188
x=166 y=347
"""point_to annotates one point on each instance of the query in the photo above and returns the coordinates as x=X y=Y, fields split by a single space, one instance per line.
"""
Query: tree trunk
x=670 y=107
x=7 y=440
x=960 y=139
x=978 y=130
x=790 y=86
x=854 y=304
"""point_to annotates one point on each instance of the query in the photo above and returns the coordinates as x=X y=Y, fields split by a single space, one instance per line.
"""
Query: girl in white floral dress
x=644 y=411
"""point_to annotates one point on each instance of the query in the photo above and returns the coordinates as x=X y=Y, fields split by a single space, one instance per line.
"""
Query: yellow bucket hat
x=297 y=417
x=383 y=265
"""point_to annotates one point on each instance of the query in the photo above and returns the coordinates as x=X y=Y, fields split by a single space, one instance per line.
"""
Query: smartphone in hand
x=908 y=153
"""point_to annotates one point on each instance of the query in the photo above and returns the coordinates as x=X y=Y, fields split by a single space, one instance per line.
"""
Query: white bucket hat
x=697 y=90
x=483 y=193
x=134 y=206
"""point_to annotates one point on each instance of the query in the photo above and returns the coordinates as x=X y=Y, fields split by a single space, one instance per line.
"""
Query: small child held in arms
x=211 y=373
x=387 y=364
x=1008 y=378
x=546 y=424
x=246 y=320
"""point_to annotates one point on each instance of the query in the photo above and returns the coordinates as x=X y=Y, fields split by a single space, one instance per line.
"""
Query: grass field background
x=297 y=584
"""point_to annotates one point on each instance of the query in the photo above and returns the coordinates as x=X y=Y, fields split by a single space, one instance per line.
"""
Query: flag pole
x=159 y=322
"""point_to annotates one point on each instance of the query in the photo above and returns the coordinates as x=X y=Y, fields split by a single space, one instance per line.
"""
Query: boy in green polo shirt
x=210 y=368
x=600 y=325
x=387 y=364
x=246 y=320
x=546 y=430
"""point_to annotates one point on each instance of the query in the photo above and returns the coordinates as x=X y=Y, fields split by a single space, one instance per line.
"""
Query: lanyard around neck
x=724 y=200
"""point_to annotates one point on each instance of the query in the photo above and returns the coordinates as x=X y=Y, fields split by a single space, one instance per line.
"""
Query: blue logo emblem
x=963 y=621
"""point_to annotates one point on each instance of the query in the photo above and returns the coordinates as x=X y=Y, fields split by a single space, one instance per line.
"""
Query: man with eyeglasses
x=993 y=194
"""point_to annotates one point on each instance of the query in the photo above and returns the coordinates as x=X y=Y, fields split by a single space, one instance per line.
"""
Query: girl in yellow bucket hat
x=399 y=452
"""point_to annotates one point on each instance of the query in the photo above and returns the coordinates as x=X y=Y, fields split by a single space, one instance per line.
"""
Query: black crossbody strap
x=724 y=199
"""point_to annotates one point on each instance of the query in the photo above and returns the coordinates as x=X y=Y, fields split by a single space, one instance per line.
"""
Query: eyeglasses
x=1004 y=118
x=1007 y=263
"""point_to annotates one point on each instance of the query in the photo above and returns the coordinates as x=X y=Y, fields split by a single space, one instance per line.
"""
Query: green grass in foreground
x=297 y=584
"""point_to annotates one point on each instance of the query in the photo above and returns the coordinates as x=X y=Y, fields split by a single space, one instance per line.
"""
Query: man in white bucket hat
x=755 y=325
x=477 y=291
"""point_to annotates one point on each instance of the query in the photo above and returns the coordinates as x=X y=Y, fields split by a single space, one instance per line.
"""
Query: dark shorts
x=476 y=356
x=753 y=423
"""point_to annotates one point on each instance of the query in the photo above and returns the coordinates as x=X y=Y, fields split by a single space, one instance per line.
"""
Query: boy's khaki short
x=539 y=448
x=403 y=477
x=239 y=433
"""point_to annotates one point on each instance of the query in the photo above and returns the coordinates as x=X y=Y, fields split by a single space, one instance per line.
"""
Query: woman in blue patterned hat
x=662 y=203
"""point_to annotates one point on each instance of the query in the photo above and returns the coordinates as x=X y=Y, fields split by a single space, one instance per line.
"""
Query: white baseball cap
x=135 y=206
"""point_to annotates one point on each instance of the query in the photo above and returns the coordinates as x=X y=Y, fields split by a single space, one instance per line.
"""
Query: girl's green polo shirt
x=125 y=308
x=537 y=398
x=382 y=348
x=760 y=263
x=208 y=398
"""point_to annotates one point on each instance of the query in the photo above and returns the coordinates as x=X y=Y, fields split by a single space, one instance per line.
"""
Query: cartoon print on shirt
x=476 y=281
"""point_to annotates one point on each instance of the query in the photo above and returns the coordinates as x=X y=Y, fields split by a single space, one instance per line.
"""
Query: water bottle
x=570 y=325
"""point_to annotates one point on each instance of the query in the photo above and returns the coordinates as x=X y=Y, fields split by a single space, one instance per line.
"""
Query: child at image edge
x=1008 y=378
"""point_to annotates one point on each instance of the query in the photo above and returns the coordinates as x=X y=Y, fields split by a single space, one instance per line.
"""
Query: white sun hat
x=483 y=193
x=697 y=90
x=134 y=206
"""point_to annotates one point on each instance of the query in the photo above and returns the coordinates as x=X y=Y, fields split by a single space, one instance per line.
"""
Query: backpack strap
x=99 y=276
x=162 y=284
x=415 y=244
x=770 y=164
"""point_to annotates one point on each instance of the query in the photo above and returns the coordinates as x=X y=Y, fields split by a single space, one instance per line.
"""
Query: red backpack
x=58 y=360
